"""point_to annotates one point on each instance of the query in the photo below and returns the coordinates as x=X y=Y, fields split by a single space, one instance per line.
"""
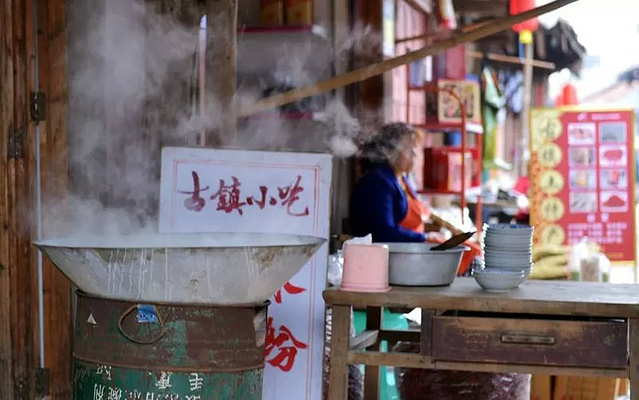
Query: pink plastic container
x=365 y=268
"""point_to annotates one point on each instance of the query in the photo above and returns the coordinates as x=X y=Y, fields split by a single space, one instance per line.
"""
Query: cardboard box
x=585 y=388
x=299 y=12
x=541 y=387
x=272 y=12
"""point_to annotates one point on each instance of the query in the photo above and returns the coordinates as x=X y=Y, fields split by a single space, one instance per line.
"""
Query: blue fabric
x=378 y=205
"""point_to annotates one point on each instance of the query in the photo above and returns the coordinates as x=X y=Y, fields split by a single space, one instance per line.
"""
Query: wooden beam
x=442 y=34
x=410 y=360
x=511 y=60
x=363 y=340
x=370 y=71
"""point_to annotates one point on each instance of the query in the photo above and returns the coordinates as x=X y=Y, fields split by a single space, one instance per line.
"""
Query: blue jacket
x=378 y=205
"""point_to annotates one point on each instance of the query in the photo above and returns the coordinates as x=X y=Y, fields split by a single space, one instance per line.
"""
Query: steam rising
x=133 y=88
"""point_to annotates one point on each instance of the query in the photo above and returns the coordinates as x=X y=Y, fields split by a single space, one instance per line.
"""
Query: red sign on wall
x=582 y=179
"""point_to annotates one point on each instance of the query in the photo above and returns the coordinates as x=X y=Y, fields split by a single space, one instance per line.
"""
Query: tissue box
x=299 y=12
x=272 y=12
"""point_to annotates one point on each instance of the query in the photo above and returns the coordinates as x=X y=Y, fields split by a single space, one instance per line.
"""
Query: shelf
x=437 y=191
x=471 y=127
x=421 y=88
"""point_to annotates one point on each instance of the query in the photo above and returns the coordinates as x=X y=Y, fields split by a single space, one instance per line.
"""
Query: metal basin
x=199 y=268
x=414 y=264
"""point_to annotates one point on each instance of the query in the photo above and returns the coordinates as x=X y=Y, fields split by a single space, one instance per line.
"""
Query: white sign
x=209 y=190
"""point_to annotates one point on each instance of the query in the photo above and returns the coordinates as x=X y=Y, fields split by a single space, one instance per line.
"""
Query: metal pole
x=38 y=192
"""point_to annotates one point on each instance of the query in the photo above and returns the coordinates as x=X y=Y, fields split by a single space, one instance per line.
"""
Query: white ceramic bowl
x=506 y=261
x=508 y=253
x=497 y=280
x=507 y=242
x=509 y=229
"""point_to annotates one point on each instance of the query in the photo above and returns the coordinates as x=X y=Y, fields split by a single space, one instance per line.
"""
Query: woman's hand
x=435 y=237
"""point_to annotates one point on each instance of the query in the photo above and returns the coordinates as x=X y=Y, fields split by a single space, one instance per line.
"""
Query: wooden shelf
x=471 y=127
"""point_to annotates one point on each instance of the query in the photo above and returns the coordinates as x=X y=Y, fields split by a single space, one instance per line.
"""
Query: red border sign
x=582 y=175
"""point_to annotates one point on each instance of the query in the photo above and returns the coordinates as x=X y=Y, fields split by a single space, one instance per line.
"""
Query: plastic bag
x=578 y=252
x=594 y=267
x=335 y=268
x=587 y=263
x=425 y=384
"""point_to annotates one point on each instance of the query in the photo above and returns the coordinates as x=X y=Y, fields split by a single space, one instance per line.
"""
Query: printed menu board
x=582 y=179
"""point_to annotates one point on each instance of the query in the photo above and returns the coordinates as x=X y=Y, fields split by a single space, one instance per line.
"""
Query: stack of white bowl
x=507 y=253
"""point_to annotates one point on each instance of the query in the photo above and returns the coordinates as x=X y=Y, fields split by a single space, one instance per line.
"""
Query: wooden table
x=558 y=328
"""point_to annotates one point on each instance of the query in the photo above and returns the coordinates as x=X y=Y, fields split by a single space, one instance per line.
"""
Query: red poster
x=582 y=179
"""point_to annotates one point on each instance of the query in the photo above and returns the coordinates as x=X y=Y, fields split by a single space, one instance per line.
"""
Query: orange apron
x=413 y=221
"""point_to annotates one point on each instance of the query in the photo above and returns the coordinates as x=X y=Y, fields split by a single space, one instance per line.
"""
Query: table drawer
x=531 y=341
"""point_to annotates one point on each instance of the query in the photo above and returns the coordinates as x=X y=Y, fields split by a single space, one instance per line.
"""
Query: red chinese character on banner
x=290 y=289
x=289 y=195
x=285 y=357
x=195 y=202
x=261 y=203
x=228 y=197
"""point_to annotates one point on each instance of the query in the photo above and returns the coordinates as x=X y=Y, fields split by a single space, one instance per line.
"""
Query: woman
x=384 y=203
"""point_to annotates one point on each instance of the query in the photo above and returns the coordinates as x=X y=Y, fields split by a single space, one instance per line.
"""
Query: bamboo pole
x=512 y=60
x=387 y=65
x=443 y=34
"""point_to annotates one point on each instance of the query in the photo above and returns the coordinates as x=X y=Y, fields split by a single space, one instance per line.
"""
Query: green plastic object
x=392 y=321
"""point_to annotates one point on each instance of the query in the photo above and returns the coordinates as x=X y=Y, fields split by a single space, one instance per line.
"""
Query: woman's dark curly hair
x=383 y=146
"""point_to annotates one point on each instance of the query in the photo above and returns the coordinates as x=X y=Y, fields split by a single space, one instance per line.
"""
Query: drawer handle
x=515 y=338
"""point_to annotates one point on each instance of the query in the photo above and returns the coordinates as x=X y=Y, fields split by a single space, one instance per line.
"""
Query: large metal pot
x=414 y=264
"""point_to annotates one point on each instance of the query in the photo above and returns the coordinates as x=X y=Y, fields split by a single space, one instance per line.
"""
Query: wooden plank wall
x=17 y=345
x=19 y=334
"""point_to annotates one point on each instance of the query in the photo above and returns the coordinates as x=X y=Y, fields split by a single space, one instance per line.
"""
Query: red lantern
x=518 y=7
x=570 y=95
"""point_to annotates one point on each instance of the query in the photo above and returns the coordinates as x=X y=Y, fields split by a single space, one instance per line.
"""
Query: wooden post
x=374 y=322
x=525 y=110
x=221 y=28
x=338 y=373
x=633 y=338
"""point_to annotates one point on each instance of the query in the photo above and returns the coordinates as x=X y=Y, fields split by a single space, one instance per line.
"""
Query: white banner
x=210 y=190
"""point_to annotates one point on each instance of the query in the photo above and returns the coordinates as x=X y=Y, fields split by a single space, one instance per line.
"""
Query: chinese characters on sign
x=165 y=390
x=581 y=176
x=213 y=190
x=230 y=199
x=285 y=344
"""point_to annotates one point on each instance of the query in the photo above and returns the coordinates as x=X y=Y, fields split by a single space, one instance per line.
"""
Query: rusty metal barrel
x=130 y=351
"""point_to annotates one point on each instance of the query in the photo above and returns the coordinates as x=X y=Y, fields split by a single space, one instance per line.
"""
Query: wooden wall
x=19 y=333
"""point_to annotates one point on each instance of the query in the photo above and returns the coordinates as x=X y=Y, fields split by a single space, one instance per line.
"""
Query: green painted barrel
x=129 y=351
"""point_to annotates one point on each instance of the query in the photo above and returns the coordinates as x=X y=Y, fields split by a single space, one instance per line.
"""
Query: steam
x=133 y=89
